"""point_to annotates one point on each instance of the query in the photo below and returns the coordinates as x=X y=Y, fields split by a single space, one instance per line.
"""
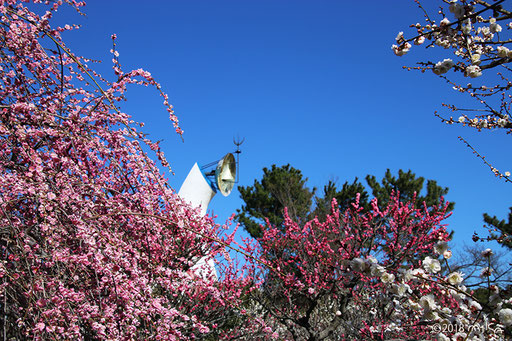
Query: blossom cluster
x=476 y=34
x=377 y=275
x=471 y=37
x=94 y=244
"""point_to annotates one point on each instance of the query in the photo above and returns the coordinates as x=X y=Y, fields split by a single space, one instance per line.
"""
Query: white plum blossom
x=502 y=122
x=486 y=32
x=457 y=9
x=487 y=253
x=402 y=289
x=463 y=307
x=446 y=310
x=455 y=278
x=473 y=71
x=447 y=254
x=407 y=275
x=442 y=337
x=414 y=305
x=402 y=49
x=377 y=270
x=427 y=302
x=441 y=246
x=420 y=40
x=461 y=119
x=486 y=272
x=505 y=316
x=475 y=58
x=443 y=67
x=431 y=265
x=458 y=296
x=507 y=174
x=443 y=42
x=460 y=336
x=403 y=46
x=494 y=27
x=503 y=51
x=371 y=260
x=415 y=273
x=392 y=327
x=444 y=22
x=466 y=27
x=387 y=278
x=474 y=306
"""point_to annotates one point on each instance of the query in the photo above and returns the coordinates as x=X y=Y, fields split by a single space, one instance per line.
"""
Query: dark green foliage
x=344 y=197
x=505 y=228
x=285 y=186
x=280 y=187
x=407 y=184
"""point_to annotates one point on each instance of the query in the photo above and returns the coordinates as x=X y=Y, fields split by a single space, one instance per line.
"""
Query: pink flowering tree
x=473 y=38
x=93 y=242
x=378 y=275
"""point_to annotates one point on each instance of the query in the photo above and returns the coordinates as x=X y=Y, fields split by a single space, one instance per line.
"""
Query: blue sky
x=310 y=83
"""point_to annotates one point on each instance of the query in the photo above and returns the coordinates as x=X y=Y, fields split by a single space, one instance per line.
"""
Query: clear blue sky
x=310 y=83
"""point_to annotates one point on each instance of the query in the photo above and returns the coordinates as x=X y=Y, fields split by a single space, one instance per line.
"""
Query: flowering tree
x=95 y=245
x=93 y=242
x=475 y=260
x=476 y=34
x=357 y=276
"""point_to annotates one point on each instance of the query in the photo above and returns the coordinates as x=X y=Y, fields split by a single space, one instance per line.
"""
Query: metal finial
x=238 y=143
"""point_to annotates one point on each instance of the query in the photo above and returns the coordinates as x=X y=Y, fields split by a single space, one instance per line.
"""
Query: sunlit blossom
x=487 y=253
x=505 y=316
x=455 y=278
x=431 y=265
x=387 y=278
x=473 y=71
x=427 y=302
x=443 y=67
x=402 y=49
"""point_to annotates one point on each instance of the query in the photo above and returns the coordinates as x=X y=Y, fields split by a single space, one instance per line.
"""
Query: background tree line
x=286 y=186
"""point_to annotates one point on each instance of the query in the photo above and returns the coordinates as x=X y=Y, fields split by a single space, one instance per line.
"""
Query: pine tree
x=285 y=186
x=503 y=226
x=409 y=187
x=280 y=187
x=344 y=197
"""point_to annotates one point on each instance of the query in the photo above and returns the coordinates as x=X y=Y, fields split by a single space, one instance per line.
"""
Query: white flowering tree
x=476 y=36
x=470 y=40
x=476 y=261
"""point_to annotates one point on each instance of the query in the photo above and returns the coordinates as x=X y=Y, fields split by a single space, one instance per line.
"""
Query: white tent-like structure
x=199 y=190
